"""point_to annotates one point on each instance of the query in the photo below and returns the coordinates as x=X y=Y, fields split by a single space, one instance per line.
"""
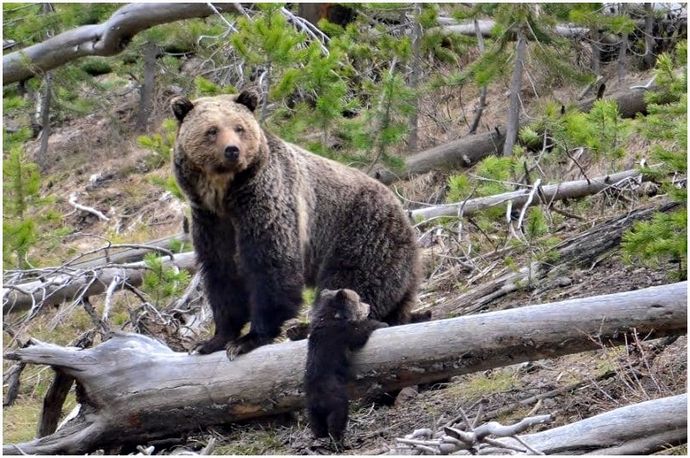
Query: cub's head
x=218 y=135
x=341 y=304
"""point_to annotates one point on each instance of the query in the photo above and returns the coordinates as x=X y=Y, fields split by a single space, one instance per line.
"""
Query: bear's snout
x=232 y=153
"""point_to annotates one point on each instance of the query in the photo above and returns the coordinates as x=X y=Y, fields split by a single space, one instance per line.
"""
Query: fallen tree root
x=133 y=389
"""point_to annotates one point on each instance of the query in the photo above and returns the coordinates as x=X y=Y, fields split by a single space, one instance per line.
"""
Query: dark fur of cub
x=339 y=324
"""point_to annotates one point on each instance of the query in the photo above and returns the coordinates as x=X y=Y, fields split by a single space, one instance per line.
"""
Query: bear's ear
x=249 y=98
x=180 y=107
x=347 y=295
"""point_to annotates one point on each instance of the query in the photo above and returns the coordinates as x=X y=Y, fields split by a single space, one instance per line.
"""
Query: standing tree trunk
x=482 y=92
x=649 y=58
x=596 y=51
x=147 y=89
x=622 y=61
x=513 y=122
x=41 y=158
x=44 y=112
x=414 y=77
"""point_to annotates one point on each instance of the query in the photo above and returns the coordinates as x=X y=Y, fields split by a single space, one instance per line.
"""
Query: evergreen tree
x=666 y=126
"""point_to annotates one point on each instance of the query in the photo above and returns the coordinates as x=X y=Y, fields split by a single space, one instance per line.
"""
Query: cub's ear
x=249 y=98
x=347 y=295
x=180 y=107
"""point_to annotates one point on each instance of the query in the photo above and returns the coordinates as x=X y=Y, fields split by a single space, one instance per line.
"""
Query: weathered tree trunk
x=124 y=253
x=513 y=119
x=649 y=59
x=482 y=92
x=547 y=194
x=468 y=150
x=57 y=288
x=42 y=153
x=596 y=42
x=415 y=71
x=147 y=89
x=637 y=429
x=44 y=115
x=106 y=39
x=622 y=50
x=135 y=389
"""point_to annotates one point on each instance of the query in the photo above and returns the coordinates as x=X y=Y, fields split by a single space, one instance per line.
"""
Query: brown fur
x=278 y=217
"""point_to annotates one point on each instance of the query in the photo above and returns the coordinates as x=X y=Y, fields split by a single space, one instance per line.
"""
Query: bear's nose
x=232 y=153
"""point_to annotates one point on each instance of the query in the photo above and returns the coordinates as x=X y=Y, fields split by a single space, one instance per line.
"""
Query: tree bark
x=513 y=120
x=595 y=46
x=622 y=50
x=414 y=77
x=68 y=284
x=123 y=253
x=548 y=193
x=106 y=39
x=468 y=150
x=649 y=59
x=482 y=91
x=147 y=89
x=135 y=389
x=41 y=155
x=637 y=429
x=44 y=115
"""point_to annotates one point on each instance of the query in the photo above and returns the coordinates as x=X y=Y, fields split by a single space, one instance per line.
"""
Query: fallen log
x=548 y=193
x=68 y=283
x=133 y=389
x=637 y=429
x=573 y=253
x=466 y=151
x=121 y=254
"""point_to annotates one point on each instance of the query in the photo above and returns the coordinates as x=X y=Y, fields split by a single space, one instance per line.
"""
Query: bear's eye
x=212 y=131
x=239 y=129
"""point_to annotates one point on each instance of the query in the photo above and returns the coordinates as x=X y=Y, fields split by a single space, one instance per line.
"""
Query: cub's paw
x=244 y=344
x=211 y=345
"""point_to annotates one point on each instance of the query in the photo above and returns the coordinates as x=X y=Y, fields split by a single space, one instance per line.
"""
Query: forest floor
x=113 y=174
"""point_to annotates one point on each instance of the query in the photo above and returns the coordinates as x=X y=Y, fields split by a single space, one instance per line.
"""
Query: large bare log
x=106 y=39
x=134 y=389
x=466 y=151
x=565 y=190
x=68 y=283
x=637 y=429
x=125 y=253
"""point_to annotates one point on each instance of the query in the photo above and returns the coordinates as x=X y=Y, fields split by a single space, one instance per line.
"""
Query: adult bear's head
x=219 y=135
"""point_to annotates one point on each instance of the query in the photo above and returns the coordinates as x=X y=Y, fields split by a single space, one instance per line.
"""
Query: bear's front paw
x=211 y=345
x=244 y=344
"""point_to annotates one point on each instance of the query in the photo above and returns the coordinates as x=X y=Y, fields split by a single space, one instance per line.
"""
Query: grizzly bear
x=269 y=217
x=338 y=325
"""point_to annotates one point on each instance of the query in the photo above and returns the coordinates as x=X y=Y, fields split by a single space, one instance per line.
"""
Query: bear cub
x=339 y=324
